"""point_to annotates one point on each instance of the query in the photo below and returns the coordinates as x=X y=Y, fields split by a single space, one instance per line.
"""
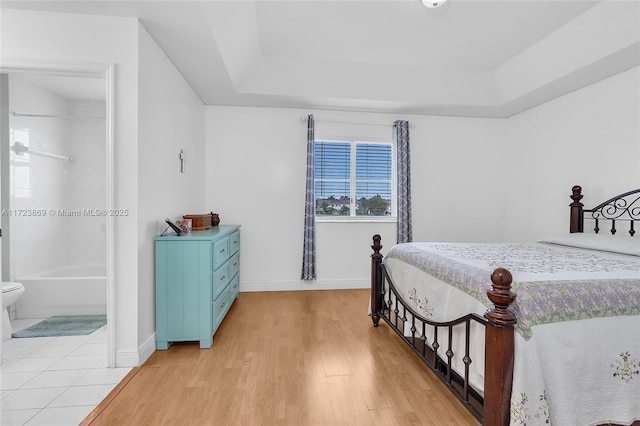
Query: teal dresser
x=197 y=280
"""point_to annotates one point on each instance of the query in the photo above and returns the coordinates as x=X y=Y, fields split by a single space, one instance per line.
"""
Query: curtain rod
x=18 y=114
x=19 y=148
x=365 y=123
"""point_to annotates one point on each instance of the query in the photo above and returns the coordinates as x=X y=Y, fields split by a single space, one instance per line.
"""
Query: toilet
x=11 y=292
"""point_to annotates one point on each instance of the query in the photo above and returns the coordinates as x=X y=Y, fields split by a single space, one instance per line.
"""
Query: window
x=354 y=179
x=20 y=169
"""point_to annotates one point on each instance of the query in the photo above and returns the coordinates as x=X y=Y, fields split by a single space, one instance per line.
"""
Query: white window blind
x=353 y=178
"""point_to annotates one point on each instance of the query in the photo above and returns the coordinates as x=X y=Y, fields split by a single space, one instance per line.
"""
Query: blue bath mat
x=65 y=325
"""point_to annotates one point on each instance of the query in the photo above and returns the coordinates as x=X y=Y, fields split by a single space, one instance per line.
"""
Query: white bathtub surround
x=54 y=185
x=87 y=183
x=68 y=290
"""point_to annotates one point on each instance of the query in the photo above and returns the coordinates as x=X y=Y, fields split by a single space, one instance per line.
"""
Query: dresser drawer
x=220 y=280
x=234 y=264
x=220 y=252
x=220 y=307
x=234 y=242
x=234 y=288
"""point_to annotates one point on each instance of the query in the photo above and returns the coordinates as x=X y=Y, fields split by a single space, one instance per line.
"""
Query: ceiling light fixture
x=433 y=3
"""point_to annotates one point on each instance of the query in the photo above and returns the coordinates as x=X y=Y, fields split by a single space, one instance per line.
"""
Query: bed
x=526 y=333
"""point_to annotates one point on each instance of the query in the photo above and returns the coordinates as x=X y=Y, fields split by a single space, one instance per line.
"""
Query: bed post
x=376 y=279
x=577 y=218
x=499 y=350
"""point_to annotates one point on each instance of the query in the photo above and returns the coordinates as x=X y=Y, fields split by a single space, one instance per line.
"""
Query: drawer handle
x=235 y=242
x=223 y=305
x=235 y=264
x=224 y=277
x=222 y=251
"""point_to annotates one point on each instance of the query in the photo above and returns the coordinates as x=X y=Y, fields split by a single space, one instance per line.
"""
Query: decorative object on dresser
x=537 y=342
x=185 y=225
x=173 y=226
x=197 y=280
x=199 y=221
x=215 y=219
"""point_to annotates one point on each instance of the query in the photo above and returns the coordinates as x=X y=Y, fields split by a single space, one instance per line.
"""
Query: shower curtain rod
x=365 y=123
x=19 y=114
x=19 y=148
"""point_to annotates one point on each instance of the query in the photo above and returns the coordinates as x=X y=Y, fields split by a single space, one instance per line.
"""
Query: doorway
x=57 y=186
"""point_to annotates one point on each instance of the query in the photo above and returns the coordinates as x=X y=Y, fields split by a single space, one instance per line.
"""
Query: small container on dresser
x=215 y=219
x=199 y=221
x=197 y=280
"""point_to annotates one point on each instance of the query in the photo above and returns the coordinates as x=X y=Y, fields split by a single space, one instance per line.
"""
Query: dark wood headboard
x=623 y=208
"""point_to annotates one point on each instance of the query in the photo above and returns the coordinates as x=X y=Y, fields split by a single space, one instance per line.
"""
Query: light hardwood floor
x=286 y=358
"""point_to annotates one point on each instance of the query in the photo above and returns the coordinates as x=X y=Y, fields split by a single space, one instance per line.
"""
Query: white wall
x=171 y=118
x=456 y=178
x=590 y=138
x=472 y=179
x=256 y=159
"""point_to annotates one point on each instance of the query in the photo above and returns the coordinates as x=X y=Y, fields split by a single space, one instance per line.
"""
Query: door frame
x=107 y=72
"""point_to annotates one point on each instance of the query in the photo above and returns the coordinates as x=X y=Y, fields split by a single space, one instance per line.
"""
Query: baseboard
x=127 y=358
x=134 y=358
x=147 y=348
x=327 y=284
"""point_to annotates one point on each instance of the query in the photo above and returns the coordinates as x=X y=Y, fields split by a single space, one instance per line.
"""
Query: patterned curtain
x=309 y=244
x=401 y=137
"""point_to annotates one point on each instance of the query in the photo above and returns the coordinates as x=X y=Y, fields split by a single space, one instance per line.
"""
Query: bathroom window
x=20 y=165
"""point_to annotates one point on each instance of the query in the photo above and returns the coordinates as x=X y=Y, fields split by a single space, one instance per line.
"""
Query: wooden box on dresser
x=197 y=280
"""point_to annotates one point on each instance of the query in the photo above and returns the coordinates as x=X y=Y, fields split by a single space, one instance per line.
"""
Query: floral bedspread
x=577 y=347
x=553 y=283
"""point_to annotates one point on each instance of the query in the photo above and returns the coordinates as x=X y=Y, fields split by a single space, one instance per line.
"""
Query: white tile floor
x=54 y=381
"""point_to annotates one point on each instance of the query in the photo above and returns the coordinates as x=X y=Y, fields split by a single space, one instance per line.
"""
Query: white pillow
x=623 y=244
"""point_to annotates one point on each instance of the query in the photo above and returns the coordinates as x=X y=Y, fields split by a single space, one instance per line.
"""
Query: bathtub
x=67 y=290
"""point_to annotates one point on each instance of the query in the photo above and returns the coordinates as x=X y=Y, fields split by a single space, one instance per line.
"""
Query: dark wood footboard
x=376 y=280
x=492 y=408
x=499 y=350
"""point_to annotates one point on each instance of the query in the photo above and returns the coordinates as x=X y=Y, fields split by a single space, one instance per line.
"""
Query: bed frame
x=492 y=409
